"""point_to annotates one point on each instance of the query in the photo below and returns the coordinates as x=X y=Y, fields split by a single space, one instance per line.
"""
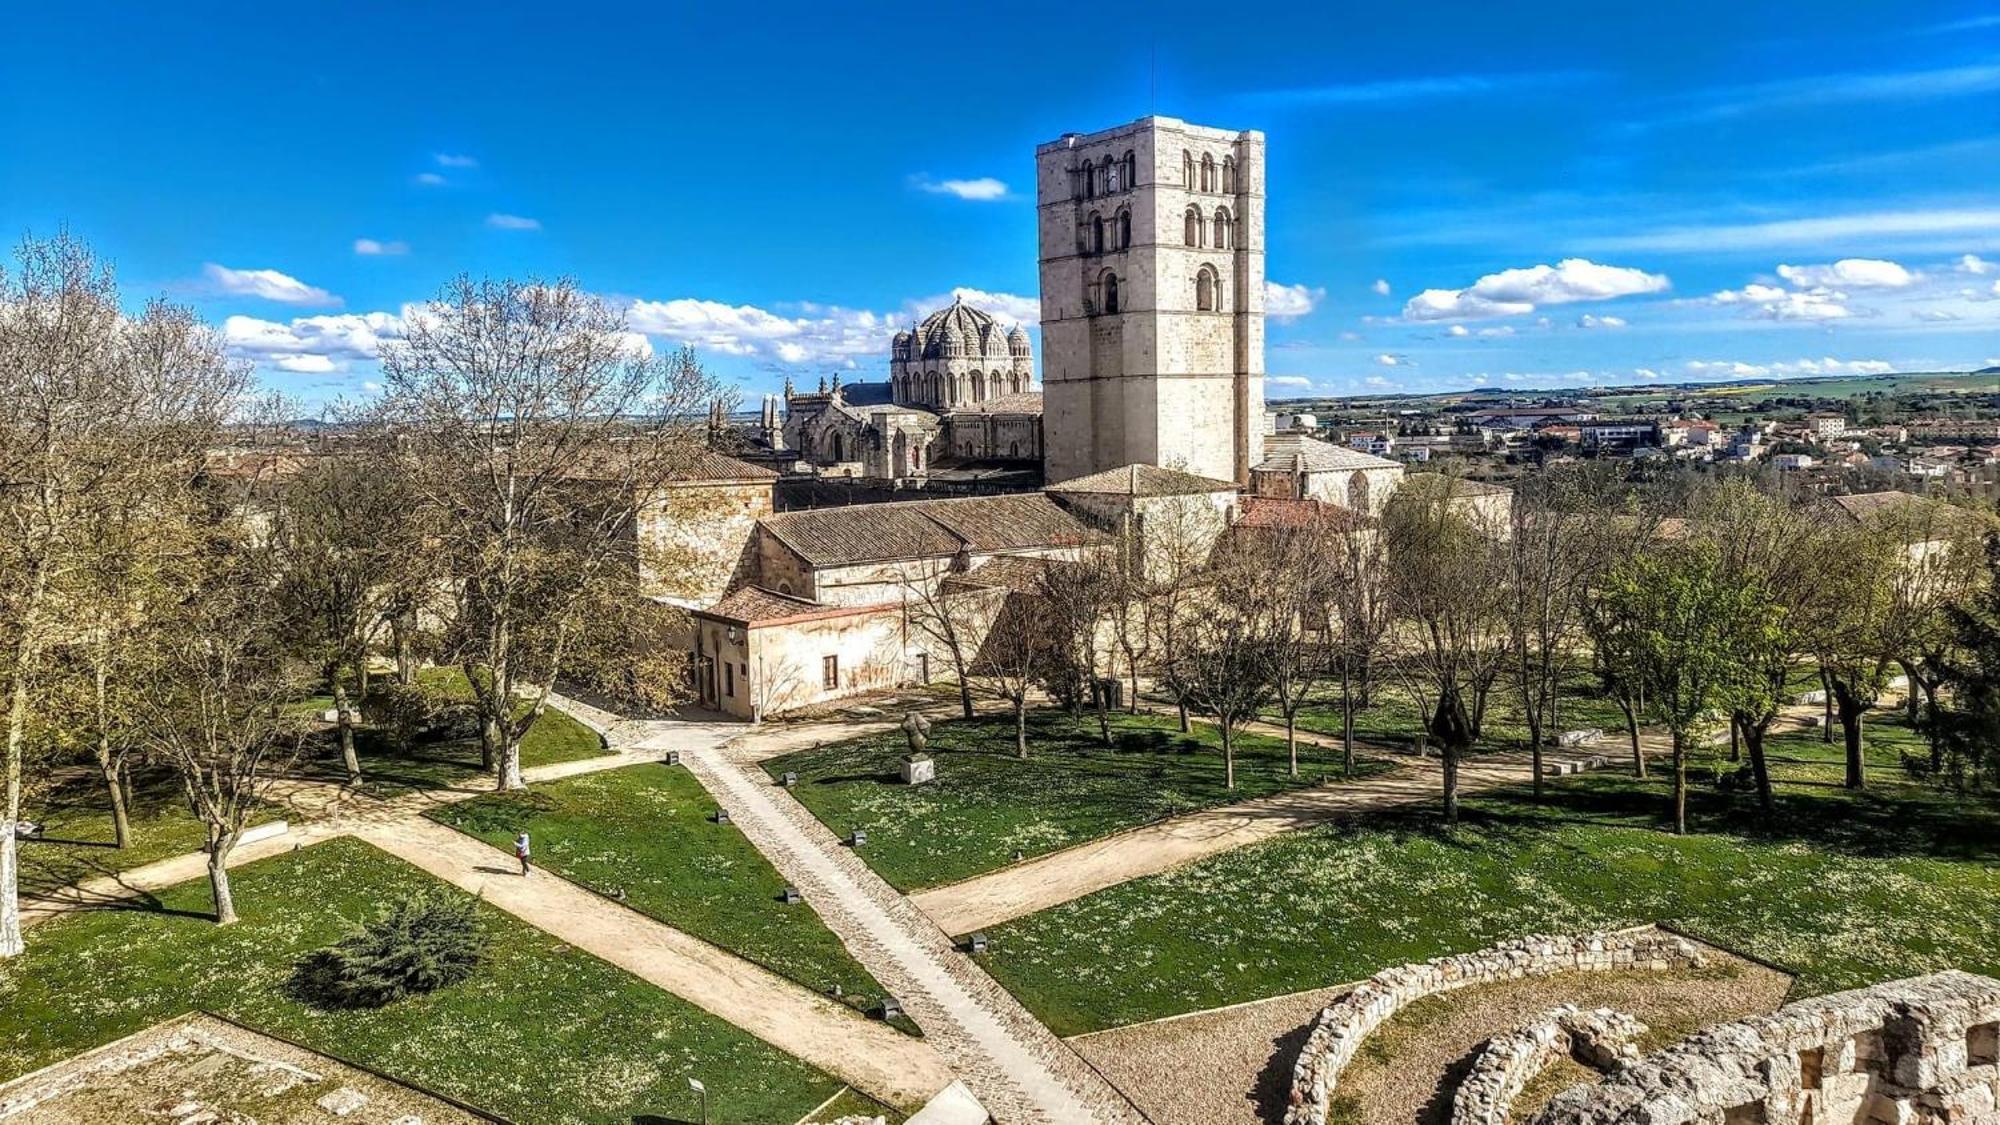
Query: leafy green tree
x=1689 y=628
x=1966 y=734
x=420 y=943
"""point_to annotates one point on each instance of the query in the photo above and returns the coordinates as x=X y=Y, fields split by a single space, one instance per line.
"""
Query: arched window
x=1223 y=231
x=1357 y=492
x=1124 y=228
x=1207 y=172
x=839 y=449
x=1109 y=285
x=1110 y=174
x=1013 y=449
x=1187 y=169
x=979 y=386
x=1191 y=227
x=1089 y=180
x=1204 y=289
x=1096 y=233
x=1229 y=175
x=1131 y=177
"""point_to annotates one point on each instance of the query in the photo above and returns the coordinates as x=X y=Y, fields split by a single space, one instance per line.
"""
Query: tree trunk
x=1132 y=703
x=1103 y=713
x=1228 y=753
x=1346 y=724
x=1450 y=783
x=1021 y=726
x=1631 y=710
x=218 y=878
x=1680 y=787
x=344 y=717
x=489 y=742
x=1534 y=742
x=1292 y=739
x=1180 y=705
x=17 y=724
x=1760 y=768
x=1735 y=740
x=1851 y=709
x=1826 y=707
x=964 y=694
x=1911 y=703
x=406 y=664
x=121 y=821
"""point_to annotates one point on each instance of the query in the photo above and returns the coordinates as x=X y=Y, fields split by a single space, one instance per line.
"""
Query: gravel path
x=1016 y=1067
x=1233 y=1066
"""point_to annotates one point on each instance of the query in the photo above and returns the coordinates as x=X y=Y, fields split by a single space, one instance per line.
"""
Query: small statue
x=917 y=729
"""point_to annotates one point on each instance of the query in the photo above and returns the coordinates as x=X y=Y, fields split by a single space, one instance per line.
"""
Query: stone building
x=959 y=394
x=1152 y=284
x=692 y=536
x=1297 y=467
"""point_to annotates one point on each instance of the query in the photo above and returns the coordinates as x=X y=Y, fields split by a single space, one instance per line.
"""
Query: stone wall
x=1601 y=1038
x=1343 y=1025
x=1923 y=1051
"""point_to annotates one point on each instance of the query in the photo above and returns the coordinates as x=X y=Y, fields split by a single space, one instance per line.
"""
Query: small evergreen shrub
x=420 y=712
x=420 y=943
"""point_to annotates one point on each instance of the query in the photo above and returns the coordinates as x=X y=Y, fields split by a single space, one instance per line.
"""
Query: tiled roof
x=1281 y=453
x=1143 y=480
x=864 y=533
x=1864 y=506
x=1283 y=512
x=754 y=605
x=708 y=465
x=1020 y=573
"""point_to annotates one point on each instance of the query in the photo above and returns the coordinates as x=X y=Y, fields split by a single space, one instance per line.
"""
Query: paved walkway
x=1016 y=1067
x=871 y=1056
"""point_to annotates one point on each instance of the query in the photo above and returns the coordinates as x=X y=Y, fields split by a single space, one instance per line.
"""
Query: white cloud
x=429 y=179
x=456 y=160
x=984 y=189
x=822 y=334
x=1737 y=369
x=1936 y=316
x=501 y=221
x=369 y=247
x=1381 y=382
x=1646 y=373
x=1974 y=264
x=1517 y=291
x=269 y=285
x=1387 y=360
x=1851 y=273
x=1381 y=286
x=1289 y=302
x=1589 y=321
x=1769 y=302
x=1350 y=337
x=1458 y=330
x=1287 y=381
x=311 y=344
x=1010 y=307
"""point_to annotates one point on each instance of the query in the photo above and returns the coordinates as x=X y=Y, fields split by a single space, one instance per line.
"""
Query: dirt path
x=1058 y=877
x=873 y=1057
x=1015 y=1066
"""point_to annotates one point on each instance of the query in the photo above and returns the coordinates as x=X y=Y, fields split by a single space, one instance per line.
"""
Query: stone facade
x=1152 y=285
x=1342 y=1026
x=1923 y=1051
x=959 y=356
x=693 y=536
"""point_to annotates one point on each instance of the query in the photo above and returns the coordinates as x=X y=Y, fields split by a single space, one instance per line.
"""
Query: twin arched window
x=1207 y=172
x=1225 y=229
x=1124 y=228
x=1187 y=169
x=1107 y=285
x=1094 y=233
x=1229 y=175
x=1191 y=227
x=1130 y=178
x=1207 y=291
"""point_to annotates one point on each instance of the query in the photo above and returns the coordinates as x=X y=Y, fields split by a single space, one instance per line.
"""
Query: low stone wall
x=1923 y=1051
x=1344 y=1024
x=1602 y=1038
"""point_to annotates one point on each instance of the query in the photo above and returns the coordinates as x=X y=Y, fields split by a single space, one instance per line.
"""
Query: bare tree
x=1225 y=660
x=92 y=402
x=1170 y=553
x=1077 y=598
x=1301 y=568
x=1552 y=550
x=1361 y=618
x=219 y=714
x=536 y=429
x=947 y=619
x=1449 y=592
x=1011 y=658
x=343 y=535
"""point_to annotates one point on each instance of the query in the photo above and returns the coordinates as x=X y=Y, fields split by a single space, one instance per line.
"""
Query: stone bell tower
x=1152 y=274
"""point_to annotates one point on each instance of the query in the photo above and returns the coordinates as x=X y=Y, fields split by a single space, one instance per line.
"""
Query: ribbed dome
x=959 y=329
x=1017 y=340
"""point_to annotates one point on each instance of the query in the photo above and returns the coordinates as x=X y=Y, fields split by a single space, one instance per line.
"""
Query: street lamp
x=695 y=1085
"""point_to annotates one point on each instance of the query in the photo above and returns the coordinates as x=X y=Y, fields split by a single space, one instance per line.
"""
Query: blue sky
x=1459 y=194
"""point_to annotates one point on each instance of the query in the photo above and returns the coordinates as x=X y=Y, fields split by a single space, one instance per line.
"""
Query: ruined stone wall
x=1923 y=1051
x=1343 y=1025
x=1600 y=1038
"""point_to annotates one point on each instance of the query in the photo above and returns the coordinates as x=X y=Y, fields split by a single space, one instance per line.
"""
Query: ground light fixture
x=695 y=1085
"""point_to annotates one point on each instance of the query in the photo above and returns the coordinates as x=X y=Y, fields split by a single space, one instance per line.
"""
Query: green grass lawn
x=988 y=805
x=390 y=770
x=542 y=1032
x=645 y=831
x=1844 y=888
x=1393 y=718
x=76 y=841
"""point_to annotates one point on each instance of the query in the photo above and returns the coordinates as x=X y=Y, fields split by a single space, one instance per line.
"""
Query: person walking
x=521 y=852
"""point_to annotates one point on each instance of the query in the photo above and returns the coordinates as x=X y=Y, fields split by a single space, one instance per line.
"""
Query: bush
x=420 y=712
x=421 y=943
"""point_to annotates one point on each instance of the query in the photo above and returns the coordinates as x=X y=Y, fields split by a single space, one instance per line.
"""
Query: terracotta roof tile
x=1143 y=480
x=864 y=533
